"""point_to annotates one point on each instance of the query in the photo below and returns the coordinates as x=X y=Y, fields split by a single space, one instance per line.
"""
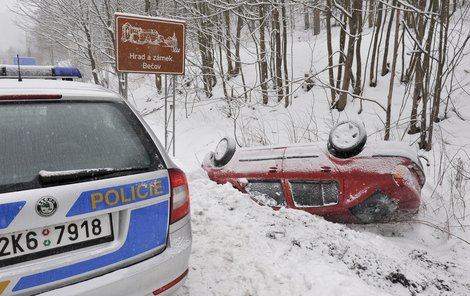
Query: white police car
x=90 y=203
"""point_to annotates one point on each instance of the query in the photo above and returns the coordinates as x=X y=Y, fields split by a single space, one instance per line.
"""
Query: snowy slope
x=241 y=248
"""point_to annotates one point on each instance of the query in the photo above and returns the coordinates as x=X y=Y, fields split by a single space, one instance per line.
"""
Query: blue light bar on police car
x=66 y=71
x=44 y=72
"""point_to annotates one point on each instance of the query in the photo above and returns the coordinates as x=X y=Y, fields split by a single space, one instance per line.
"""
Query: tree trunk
x=426 y=67
x=342 y=100
x=91 y=56
x=206 y=49
x=443 y=32
x=147 y=7
x=221 y=67
x=342 y=44
x=278 y=54
x=331 y=74
x=392 y=77
x=306 y=18
x=378 y=24
x=237 y=43
x=358 y=8
x=158 y=77
x=371 y=14
x=284 y=53
x=417 y=93
x=416 y=63
x=419 y=26
x=262 y=52
x=385 y=66
x=403 y=69
x=228 y=50
x=316 y=18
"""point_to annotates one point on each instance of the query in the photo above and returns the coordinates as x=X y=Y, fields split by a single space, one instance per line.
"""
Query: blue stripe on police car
x=111 y=197
x=9 y=211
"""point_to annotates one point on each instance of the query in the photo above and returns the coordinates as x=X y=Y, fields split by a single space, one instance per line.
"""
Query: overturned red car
x=343 y=180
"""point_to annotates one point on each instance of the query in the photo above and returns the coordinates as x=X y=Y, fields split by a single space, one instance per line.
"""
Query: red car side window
x=314 y=193
x=267 y=192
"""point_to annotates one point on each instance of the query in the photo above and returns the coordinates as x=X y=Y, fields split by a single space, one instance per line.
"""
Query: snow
x=392 y=148
x=66 y=88
x=242 y=248
x=50 y=174
x=144 y=17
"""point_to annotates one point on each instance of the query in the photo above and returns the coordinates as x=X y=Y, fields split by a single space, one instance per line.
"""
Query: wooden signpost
x=155 y=46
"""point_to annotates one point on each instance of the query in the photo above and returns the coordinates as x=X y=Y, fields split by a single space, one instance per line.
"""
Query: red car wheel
x=346 y=139
x=224 y=151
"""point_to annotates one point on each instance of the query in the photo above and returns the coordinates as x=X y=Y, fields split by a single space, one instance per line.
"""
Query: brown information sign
x=149 y=45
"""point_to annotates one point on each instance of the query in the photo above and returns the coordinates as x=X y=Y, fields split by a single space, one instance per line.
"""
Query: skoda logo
x=46 y=206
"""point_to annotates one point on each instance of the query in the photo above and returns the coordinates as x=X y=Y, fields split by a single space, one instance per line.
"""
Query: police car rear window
x=67 y=136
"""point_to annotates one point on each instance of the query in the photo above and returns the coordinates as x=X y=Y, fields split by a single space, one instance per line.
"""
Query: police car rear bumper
x=144 y=277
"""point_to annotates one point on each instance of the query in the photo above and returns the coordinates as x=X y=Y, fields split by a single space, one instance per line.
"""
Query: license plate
x=51 y=240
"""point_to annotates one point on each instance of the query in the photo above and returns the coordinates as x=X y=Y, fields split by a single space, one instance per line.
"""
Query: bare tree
x=342 y=44
x=416 y=63
x=331 y=75
x=206 y=48
x=228 y=50
x=316 y=18
x=371 y=13
x=357 y=6
x=276 y=27
x=284 y=53
x=427 y=76
x=392 y=76
x=385 y=64
x=342 y=100
x=76 y=33
x=378 y=25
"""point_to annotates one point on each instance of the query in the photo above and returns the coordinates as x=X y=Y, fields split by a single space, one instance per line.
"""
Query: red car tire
x=346 y=139
x=224 y=151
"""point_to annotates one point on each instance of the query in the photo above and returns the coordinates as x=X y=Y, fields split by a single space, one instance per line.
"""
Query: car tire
x=224 y=151
x=347 y=139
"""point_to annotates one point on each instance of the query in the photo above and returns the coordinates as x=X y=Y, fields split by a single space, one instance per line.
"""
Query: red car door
x=312 y=181
x=259 y=172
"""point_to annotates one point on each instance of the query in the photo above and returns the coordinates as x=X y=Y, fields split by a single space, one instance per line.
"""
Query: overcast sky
x=10 y=34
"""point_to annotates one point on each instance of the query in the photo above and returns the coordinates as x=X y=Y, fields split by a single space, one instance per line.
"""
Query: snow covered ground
x=241 y=248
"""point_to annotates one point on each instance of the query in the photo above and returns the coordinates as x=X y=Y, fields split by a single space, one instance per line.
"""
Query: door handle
x=273 y=169
x=326 y=169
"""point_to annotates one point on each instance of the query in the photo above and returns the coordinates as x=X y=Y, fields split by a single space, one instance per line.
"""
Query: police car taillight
x=179 y=195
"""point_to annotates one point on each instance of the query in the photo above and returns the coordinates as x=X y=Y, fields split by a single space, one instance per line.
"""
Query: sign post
x=154 y=46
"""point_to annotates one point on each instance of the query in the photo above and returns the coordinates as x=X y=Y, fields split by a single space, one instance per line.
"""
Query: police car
x=90 y=203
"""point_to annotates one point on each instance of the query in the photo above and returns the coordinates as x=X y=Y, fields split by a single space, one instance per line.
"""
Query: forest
x=415 y=43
